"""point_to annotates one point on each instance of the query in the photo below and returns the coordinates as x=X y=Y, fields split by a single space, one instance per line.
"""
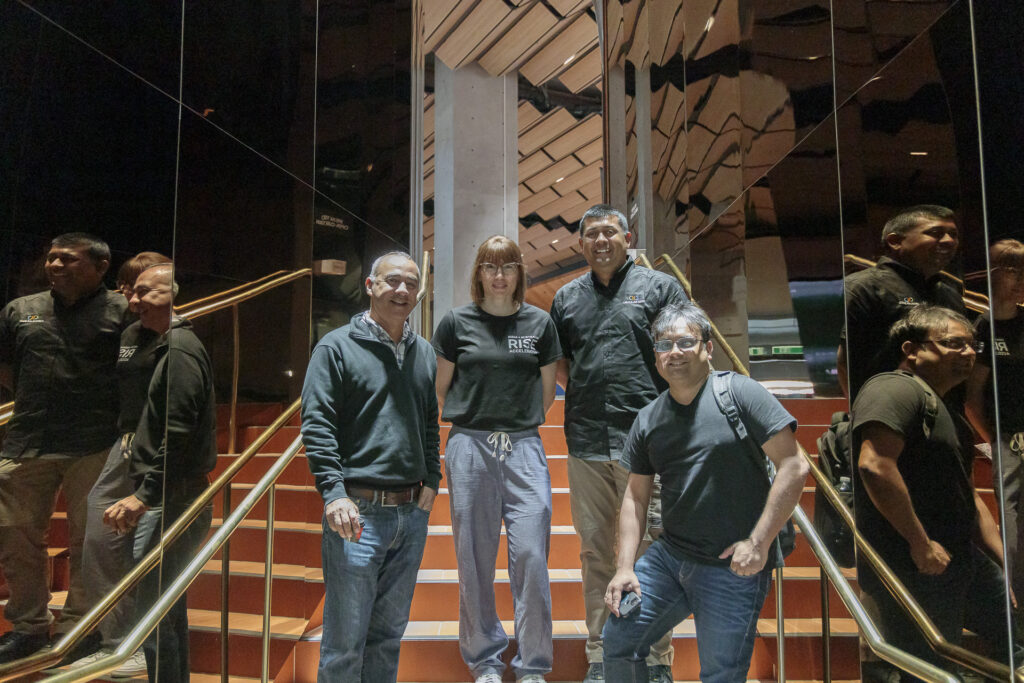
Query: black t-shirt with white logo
x=141 y=350
x=496 y=385
x=1008 y=347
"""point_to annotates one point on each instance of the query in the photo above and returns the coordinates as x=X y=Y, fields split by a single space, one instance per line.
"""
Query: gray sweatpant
x=495 y=477
x=106 y=556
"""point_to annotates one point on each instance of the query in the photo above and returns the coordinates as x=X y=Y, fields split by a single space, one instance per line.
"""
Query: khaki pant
x=28 y=494
x=596 y=489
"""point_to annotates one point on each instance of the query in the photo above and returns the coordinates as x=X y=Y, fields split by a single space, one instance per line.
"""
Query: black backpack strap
x=721 y=383
x=931 y=406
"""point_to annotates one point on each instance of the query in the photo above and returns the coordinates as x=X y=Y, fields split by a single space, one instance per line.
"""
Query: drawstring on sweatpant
x=500 y=441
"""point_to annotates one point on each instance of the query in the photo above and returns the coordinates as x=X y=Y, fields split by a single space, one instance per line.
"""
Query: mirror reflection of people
x=58 y=350
x=173 y=450
x=919 y=242
x=369 y=425
x=1006 y=259
x=495 y=382
x=603 y=319
x=107 y=554
x=913 y=493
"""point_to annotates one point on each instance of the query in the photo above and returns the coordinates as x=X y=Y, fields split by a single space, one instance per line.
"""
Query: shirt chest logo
x=634 y=299
x=31 y=318
x=907 y=301
x=126 y=353
x=522 y=343
x=1001 y=347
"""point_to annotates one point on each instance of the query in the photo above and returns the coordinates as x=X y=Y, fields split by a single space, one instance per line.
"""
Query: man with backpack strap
x=913 y=493
x=721 y=510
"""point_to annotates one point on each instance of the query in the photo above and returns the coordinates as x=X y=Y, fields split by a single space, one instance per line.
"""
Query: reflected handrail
x=92 y=618
x=976 y=301
x=152 y=618
x=936 y=641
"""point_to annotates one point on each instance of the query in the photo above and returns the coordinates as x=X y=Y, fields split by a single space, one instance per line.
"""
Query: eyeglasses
x=396 y=281
x=1016 y=273
x=683 y=344
x=507 y=269
x=957 y=344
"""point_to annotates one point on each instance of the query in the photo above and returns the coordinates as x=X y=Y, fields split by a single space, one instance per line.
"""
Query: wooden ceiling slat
x=534 y=24
x=524 y=192
x=584 y=176
x=498 y=34
x=554 y=123
x=533 y=164
x=527 y=116
x=583 y=72
x=593 y=191
x=440 y=18
x=531 y=204
x=532 y=233
x=428 y=120
x=568 y=7
x=428 y=186
x=428 y=226
x=428 y=244
x=547 y=256
x=552 y=209
x=471 y=31
x=592 y=152
x=560 y=169
x=578 y=37
x=550 y=237
x=577 y=137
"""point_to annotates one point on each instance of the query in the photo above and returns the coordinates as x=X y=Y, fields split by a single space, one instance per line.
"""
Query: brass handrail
x=177 y=589
x=936 y=641
x=227 y=292
x=92 y=618
x=976 y=301
x=217 y=302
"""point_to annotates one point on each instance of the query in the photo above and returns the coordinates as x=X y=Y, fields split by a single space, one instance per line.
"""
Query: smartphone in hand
x=629 y=602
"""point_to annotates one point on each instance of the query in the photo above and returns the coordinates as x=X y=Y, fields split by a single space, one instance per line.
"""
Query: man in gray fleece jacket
x=369 y=425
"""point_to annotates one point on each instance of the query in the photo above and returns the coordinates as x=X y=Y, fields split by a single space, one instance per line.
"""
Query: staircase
x=430 y=647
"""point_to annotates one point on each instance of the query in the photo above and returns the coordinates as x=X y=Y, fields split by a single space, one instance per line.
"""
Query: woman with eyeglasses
x=1006 y=258
x=495 y=382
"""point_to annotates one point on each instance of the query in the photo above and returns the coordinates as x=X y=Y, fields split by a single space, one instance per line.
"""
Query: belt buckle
x=383 y=500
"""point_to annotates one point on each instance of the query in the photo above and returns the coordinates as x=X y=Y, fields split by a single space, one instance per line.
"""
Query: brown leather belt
x=388 y=498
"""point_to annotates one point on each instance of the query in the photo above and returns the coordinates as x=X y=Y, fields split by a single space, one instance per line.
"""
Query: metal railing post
x=235 y=351
x=268 y=582
x=780 y=625
x=826 y=629
x=225 y=590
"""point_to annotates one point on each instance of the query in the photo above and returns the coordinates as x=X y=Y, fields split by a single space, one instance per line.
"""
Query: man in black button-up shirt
x=604 y=324
x=58 y=350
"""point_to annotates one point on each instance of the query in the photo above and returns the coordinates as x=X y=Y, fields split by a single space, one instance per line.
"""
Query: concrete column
x=476 y=173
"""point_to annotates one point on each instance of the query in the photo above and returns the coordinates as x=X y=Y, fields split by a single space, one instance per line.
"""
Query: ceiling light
x=571 y=57
x=560 y=179
x=711 y=22
x=554 y=241
x=919 y=154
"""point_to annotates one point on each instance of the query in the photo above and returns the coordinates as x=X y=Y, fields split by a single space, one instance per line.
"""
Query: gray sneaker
x=659 y=673
x=595 y=672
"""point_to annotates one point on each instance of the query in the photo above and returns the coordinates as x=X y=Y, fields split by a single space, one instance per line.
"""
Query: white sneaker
x=132 y=667
x=87 y=660
x=531 y=678
x=488 y=678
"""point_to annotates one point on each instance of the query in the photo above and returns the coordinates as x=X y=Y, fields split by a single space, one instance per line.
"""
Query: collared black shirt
x=605 y=334
x=875 y=299
x=62 y=358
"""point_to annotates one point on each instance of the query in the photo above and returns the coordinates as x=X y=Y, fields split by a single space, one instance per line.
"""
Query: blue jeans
x=369 y=585
x=724 y=607
x=166 y=648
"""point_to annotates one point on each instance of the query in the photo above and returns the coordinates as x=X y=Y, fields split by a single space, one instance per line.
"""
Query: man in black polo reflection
x=173 y=451
x=920 y=241
x=913 y=493
x=58 y=350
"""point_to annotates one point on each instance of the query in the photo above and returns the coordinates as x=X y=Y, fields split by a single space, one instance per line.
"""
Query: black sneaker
x=594 y=673
x=659 y=673
x=14 y=645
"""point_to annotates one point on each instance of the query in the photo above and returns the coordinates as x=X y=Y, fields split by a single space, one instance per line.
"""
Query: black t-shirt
x=931 y=467
x=1009 y=351
x=496 y=385
x=605 y=334
x=713 y=491
x=875 y=299
x=141 y=349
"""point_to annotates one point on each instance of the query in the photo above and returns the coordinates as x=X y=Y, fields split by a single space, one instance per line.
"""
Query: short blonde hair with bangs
x=498 y=250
